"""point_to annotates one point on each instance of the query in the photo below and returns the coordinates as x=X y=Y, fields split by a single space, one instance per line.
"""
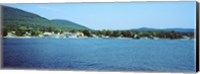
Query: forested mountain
x=69 y=24
x=21 y=21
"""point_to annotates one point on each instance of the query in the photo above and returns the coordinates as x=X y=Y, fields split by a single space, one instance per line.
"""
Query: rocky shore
x=81 y=35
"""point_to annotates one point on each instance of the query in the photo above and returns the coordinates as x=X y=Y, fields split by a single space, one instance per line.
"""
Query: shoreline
x=83 y=35
x=92 y=38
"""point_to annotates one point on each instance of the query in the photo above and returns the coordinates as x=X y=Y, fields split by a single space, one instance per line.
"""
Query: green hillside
x=69 y=24
x=21 y=21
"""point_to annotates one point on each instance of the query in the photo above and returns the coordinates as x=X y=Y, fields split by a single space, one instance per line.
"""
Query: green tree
x=35 y=32
x=21 y=31
x=116 y=34
x=87 y=33
x=5 y=32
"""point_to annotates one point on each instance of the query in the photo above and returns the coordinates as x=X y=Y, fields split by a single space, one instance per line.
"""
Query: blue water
x=100 y=54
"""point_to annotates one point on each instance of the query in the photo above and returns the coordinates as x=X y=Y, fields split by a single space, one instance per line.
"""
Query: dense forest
x=21 y=22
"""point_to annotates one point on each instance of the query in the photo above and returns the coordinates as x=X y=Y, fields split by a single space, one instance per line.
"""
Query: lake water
x=100 y=54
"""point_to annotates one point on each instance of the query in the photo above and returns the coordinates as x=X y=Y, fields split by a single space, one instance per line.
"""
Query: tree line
x=138 y=34
x=35 y=31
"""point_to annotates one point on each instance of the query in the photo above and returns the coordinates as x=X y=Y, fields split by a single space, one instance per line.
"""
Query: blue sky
x=118 y=16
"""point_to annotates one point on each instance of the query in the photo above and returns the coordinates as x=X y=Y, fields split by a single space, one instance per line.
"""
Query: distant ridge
x=166 y=30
